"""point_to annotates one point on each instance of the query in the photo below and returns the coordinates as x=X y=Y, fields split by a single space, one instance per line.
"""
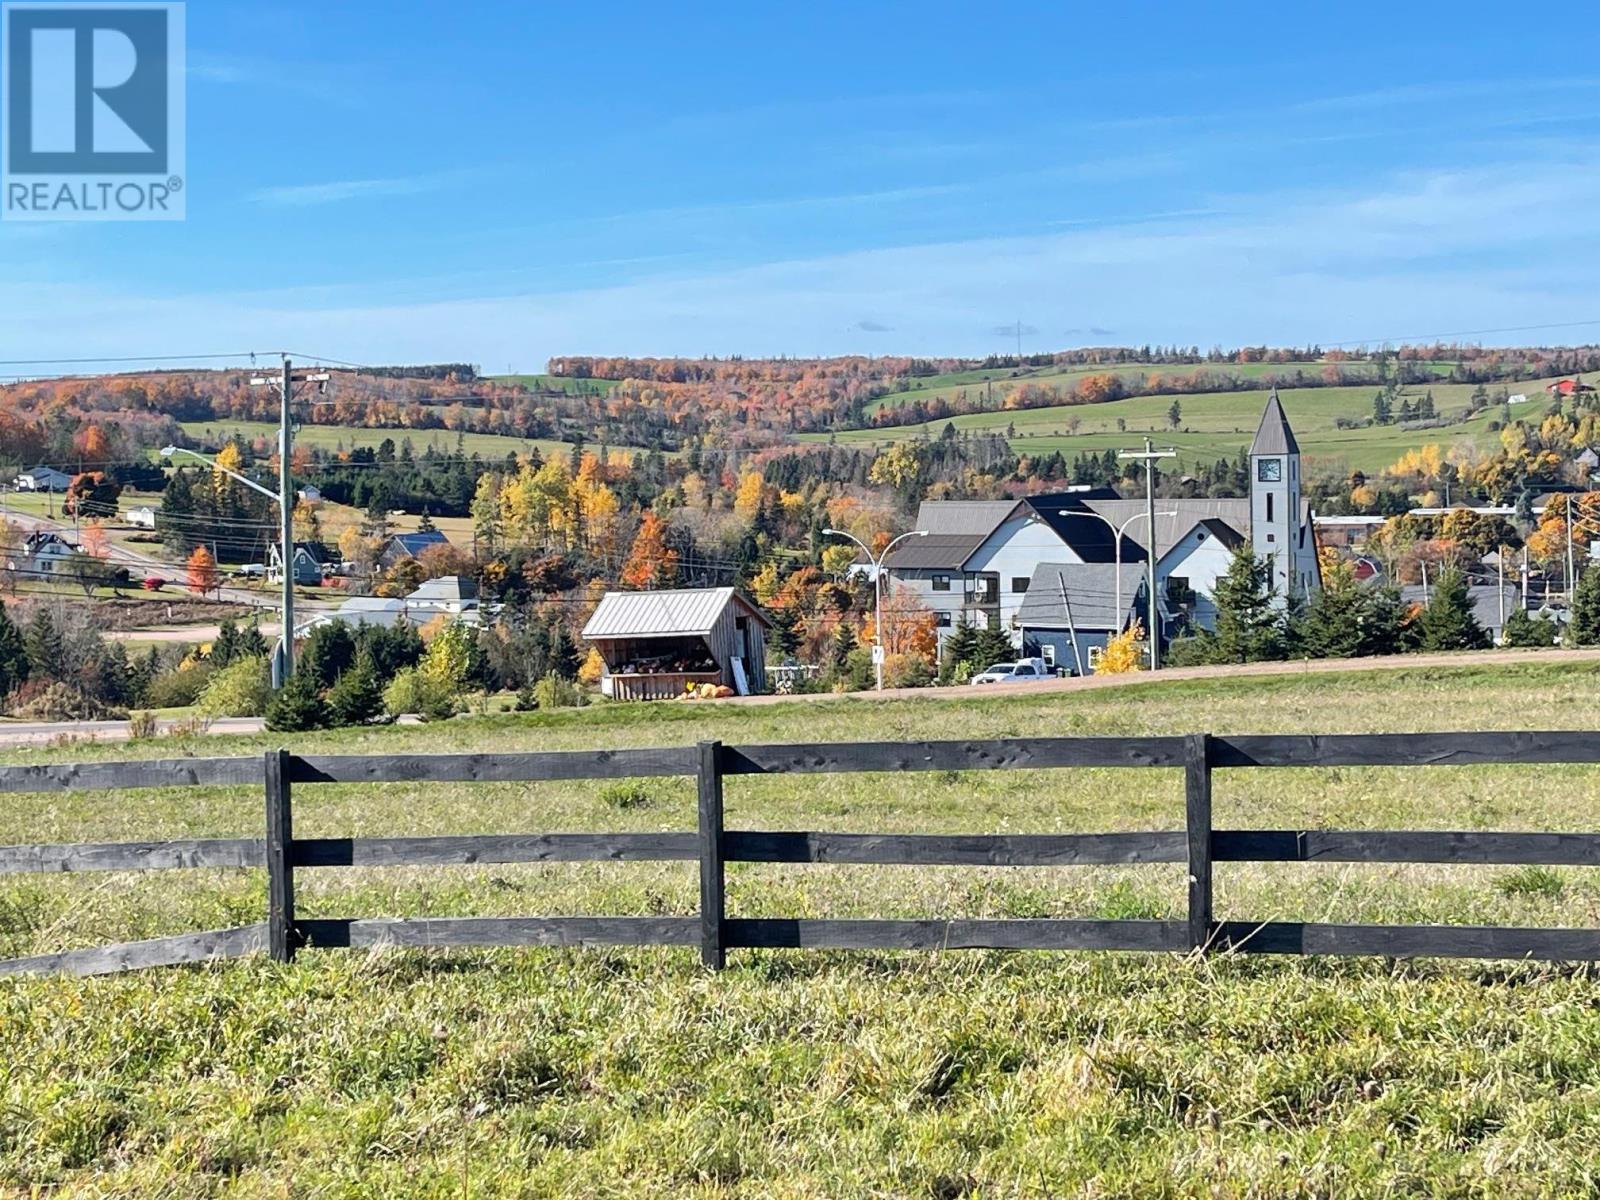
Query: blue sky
x=500 y=182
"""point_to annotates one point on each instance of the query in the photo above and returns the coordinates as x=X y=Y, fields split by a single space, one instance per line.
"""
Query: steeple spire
x=1274 y=436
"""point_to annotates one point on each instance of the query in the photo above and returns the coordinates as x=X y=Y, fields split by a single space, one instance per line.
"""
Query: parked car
x=253 y=570
x=1024 y=670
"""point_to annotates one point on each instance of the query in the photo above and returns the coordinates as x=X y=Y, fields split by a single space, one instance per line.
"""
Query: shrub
x=626 y=793
x=181 y=687
x=142 y=725
x=241 y=689
x=1525 y=630
x=356 y=698
x=1121 y=654
x=296 y=706
x=411 y=691
x=907 y=671
x=42 y=701
x=555 y=692
x=1531 y=881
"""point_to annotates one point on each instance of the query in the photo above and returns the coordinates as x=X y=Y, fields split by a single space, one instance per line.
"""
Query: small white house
x=311 y=494
x=143 y=517
x=448 y=594
x=42 y=479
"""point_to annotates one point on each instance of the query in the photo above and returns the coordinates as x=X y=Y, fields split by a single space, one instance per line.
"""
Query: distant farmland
x=1214 y=425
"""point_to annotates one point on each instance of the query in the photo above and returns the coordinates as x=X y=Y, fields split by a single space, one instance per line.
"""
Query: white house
x=143 y=517
x=44 y=555
x=449 y=594
x=42 y=479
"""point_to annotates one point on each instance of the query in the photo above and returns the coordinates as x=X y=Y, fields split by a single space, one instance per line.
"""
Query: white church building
x=1021 y=564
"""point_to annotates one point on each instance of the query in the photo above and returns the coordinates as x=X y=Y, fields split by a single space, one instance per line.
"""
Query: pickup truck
x=1025 y=670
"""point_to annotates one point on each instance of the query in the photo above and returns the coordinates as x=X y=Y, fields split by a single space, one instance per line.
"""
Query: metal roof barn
x=658 y=644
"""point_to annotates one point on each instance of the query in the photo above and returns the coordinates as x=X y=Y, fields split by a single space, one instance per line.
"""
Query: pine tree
x=225 y=649
x=785 y=634
x=993 y=646
x=1585 y=627
x=1523 y=630
x=1332 y=626
x=297 y=706
x=960 y=647
x=330 y=651
x=357 y=698
x=46 y=647
x=14 y=663
x=1385 y=630
x=1448 y=622
x=564 y=657
x=844 y=644
x=251 y=644
x=1249 y=627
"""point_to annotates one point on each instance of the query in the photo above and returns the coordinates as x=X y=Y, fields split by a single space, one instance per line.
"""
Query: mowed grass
x=1216 y=425
x=595 y=1072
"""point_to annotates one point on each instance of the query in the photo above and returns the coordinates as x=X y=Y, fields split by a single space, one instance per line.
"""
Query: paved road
x=19 y=733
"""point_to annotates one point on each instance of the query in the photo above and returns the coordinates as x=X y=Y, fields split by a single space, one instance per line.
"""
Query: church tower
x=1277 y=531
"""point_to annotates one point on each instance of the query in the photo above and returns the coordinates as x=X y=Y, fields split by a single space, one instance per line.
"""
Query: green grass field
x=1214 y=425
x=999 y=380
x=557 y=383
x=623 y=1073
x=349 y=437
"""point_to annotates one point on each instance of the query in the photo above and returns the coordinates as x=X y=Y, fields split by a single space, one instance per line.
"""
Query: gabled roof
x=1274 y=435
x=1091 y=591
x=966 y=518
x=931 y=553
x=679 y=612
x=415 y=543
x=454 y=588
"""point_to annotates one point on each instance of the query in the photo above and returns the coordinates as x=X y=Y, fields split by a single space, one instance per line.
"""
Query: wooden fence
x=712 y=845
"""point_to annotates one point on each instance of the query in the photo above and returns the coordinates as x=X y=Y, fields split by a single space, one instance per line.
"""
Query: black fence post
x=280 y=858
x=1197 y=811
x=712 y=894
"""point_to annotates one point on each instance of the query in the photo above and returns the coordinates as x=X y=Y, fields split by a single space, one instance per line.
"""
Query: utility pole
x=286 y=512
x=284 y=667
x=1500 y=587
x=1148 y=457
x=1572 y=572
x=1524 y=577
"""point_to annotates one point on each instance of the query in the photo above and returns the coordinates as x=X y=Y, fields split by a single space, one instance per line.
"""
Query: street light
x=877 y=586
x=283 y=663
x=1116 y=545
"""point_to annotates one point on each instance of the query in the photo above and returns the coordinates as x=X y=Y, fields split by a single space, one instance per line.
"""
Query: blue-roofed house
x=402 y=546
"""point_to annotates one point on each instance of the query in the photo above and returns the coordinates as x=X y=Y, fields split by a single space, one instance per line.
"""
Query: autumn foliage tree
x=651 y=563
x=202 y=571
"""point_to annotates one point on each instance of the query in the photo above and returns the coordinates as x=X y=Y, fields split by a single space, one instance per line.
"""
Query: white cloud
x=304 y=195
x=1480 y=249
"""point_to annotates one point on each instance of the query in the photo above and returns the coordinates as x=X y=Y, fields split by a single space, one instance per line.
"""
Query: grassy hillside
x=531 y=1073
x=557 y=383
x=348 y=437
x=1218 y=424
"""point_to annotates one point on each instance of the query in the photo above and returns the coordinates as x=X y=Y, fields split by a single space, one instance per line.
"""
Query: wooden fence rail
x=712 y=846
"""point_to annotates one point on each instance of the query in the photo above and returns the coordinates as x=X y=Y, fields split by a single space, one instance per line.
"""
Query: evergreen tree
x=1448 y=622
x=426 y=525
x=46 y=647
x=14 y=664
x=1585 y=627
x=844 y=643
x=1382 y=413
x=251 y=644
x=564 y=656
x=225 y=649
x=993 y=646
x=297 y=706
x=1385 y=630
x=1333 y=624
x=785 y=636
x=1249 y=626
x=330 y=651
x=960 y=647
x=357 y=698
x=1524 y=630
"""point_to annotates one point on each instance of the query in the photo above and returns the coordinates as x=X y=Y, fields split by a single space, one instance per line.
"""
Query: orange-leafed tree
x=651 y=562
x=202 y=571
x=94 y=541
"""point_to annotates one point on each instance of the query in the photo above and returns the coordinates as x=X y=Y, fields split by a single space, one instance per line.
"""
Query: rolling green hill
x=349 y=437
x=1218 y=424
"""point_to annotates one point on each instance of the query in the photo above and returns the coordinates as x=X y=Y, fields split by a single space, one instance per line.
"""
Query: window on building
x=942 y=620
x=941 y=583
x=1048 y=653
x=1269 y=506
x=1272 y=537
x=1019 y=583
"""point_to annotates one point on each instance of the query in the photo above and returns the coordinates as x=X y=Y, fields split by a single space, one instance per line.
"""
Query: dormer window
x=1269 y=470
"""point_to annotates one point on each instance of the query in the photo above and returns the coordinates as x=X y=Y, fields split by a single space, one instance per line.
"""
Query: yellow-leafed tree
x=1122 y=653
